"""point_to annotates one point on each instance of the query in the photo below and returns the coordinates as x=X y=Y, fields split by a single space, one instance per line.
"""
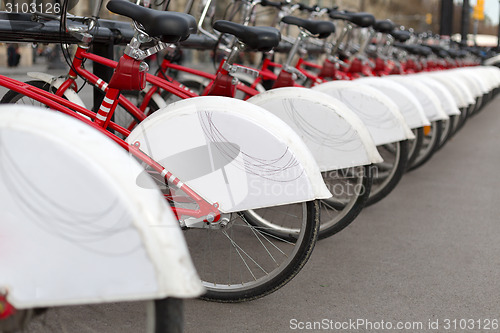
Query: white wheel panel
x=232 y=153
x=446 y=99
x=407 y=103
x=380 y=115
x=78 y=228
x=427 y=98
x=335 y=135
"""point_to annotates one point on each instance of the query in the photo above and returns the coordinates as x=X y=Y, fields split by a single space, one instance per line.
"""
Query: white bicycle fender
x=463 y=85
x=70 y=94
x=491 y=75
x=380 y=115
x=492 y=61
x=459 y=81
x=446 y=98
x=74 y=221
x=469 y=80
x=244 y=78
x=335 y=135
x=453 y=88
x=427 y=98
x=407 y=103
x=158 y=100
x=495 y=74
x=232 y=153
x=475 y=73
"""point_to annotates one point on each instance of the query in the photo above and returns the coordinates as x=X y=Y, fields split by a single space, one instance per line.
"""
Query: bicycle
x=271 y=256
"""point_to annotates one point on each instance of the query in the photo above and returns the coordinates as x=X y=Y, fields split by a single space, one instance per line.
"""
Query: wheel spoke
x=238 y=249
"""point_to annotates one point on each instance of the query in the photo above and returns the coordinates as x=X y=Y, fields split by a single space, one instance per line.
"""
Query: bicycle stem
x=342 y=36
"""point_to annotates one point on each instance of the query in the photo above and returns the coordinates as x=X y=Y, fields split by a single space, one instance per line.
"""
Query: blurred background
x=454 y=18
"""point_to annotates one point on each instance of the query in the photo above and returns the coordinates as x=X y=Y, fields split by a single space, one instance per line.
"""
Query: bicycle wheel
x=386 y=175
x=351 y=189
x=254 y=252
x=155 y=316
x=431 y=140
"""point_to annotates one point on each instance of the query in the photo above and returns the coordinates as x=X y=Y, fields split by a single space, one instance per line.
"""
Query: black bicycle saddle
x=401 y=35
x=256 y=38
x=384 y=26
x=171 y=27
x=321 y=28
x=360 y=19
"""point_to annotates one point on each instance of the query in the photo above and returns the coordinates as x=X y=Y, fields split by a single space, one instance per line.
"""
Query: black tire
x=386 y=175
x=457 y=121
x=464 y=116
x=477 y=105
x=447 y=131
x=282 y=267
x=351 y=189
x=429 y=146
x=415 y=145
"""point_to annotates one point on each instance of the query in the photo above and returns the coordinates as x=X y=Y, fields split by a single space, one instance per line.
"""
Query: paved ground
x=429 y=252
x=426 y=255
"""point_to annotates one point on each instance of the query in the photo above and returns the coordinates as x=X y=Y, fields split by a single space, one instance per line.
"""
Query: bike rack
x=20 y=27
